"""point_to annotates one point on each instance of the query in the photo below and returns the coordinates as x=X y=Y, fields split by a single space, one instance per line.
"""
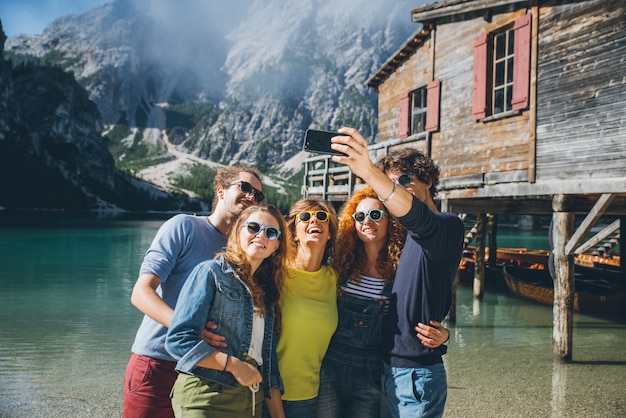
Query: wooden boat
x=590 y=296
x=522 y=257
x=598 y=267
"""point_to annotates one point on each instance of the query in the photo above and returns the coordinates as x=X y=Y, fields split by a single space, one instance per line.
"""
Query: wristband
x=393 y=191
x=226 y=363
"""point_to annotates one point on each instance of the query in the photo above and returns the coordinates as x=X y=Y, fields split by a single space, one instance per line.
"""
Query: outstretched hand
x=432 y=336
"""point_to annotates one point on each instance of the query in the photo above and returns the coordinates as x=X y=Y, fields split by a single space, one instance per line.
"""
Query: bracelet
x=447 y=339
x=226 y=363
x=393 y=191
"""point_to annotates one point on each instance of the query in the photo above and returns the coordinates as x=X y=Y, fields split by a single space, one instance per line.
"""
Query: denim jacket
x=214 y=292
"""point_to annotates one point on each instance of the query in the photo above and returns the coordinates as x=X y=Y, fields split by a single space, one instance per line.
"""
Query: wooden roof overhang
x=457 y=9
x=401 y=55
x=454 y=10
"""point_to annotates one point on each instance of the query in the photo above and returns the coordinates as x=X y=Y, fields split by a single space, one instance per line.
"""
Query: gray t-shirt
x=181 y=243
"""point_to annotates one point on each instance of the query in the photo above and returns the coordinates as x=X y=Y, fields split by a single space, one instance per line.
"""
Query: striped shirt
x=368 y=288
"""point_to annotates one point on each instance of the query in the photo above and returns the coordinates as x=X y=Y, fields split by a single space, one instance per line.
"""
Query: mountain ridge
x=212 y=87
x=282 y=68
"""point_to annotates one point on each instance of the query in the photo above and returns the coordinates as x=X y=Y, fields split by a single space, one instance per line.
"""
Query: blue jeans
x=414 y=392
x=349 y=390
x=297 y=409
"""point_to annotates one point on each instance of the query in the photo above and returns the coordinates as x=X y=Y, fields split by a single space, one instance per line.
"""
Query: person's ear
x=220 y=192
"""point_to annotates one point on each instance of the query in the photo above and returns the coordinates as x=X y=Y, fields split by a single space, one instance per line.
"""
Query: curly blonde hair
x=267 y=282
x=350 y=258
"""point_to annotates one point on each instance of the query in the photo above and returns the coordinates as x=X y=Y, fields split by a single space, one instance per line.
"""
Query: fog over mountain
x=236 y=81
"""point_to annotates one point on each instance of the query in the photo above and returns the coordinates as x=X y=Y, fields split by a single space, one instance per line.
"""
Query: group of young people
x=249 y=313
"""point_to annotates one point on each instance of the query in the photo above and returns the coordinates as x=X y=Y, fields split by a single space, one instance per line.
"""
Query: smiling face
x=256 y=246
x=313 y=232
x=368 y=230
x=235 y=200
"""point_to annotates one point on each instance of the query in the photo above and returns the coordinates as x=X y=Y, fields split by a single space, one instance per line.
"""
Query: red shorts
x=147 y=386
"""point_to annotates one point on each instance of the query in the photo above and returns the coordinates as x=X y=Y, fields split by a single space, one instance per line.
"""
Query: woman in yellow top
x=308 y=304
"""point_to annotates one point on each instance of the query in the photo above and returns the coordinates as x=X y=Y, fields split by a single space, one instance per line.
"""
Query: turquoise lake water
x=66 y=327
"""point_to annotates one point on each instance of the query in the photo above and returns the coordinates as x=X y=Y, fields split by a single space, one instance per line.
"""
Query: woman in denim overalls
x=366 y=256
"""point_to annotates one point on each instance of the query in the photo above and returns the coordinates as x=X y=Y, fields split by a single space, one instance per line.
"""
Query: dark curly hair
x=411 y=160
x=350 y=256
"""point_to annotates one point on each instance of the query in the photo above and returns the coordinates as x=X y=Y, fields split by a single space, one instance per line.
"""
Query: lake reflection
x=67 y=326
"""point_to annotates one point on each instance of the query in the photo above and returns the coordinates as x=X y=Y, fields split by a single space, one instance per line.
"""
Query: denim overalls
x=351 y=370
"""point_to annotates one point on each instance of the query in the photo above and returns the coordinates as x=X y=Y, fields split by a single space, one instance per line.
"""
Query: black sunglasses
x=321 y=216
x=405 y=179
x=374 y=214
x=271 y=233
x=247 y=188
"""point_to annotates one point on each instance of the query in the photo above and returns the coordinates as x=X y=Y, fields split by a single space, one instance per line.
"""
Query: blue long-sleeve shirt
x=422 y=290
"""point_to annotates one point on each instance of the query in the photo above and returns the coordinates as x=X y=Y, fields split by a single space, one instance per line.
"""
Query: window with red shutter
x=502 y=70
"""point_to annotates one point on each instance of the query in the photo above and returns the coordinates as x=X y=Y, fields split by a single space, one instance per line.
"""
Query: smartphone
x=319 y=142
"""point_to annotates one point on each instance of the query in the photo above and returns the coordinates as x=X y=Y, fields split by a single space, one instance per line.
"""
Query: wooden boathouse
x=523 y=106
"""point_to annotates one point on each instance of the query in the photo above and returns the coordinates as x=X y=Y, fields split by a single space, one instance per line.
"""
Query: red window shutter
x=479 y=96
x=432 y=105
x=521 y=62
x=404 y=116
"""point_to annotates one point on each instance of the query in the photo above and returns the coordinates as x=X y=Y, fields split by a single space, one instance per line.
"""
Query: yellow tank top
x=309 y=310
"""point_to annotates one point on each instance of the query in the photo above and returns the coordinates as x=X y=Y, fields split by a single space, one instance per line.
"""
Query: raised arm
x=397 y=199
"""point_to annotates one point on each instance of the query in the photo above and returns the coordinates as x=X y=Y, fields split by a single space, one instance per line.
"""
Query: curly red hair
x=349 y=257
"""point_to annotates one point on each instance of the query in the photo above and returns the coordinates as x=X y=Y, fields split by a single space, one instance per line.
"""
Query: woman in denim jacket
x=366 y=257
x=238 y=291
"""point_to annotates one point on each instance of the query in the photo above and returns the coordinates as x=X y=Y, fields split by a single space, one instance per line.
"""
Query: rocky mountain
x=53 y=154
x=225 y=83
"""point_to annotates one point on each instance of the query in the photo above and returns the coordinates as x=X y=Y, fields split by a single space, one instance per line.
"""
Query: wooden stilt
x=452 y=312
x=622 y=248
x=479 y=269
x=451 y=317
x=563 y=228
x=493 y=240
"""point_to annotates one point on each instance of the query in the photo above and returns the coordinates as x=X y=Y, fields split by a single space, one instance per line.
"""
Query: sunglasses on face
x=254 y=228
x=321 y=216
x=247 y=188
x=374 y=215
x=405 y=179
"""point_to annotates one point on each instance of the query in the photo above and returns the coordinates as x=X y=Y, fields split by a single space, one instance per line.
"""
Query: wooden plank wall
x=463 y=147
x=412 y=74
x=581 y=91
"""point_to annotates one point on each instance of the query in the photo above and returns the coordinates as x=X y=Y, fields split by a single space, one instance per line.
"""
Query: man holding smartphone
x=405 y=181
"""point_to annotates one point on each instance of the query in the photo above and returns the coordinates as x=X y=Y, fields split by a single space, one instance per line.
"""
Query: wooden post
x=479 y=263
x=493 y=241
x=451 y=317
x=452 y=312
x=563 y=310
x=622 y=247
